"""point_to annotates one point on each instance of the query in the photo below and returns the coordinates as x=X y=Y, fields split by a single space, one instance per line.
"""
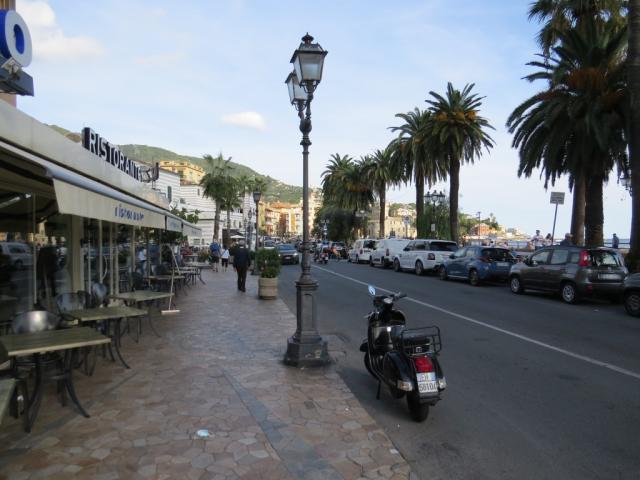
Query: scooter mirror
x=372 y=291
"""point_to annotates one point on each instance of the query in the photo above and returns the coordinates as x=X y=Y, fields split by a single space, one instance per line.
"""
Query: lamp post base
x=306 y=348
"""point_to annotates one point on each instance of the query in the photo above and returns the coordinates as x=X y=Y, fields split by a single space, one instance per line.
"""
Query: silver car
x=572 y=271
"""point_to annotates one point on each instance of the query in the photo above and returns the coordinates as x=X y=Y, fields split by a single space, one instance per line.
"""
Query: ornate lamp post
x=248 y=237
x=434 y=199
x=256 y=198
x=325 y=228
x=305 y=347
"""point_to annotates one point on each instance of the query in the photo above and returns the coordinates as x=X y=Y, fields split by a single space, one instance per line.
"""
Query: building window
x=169 y=192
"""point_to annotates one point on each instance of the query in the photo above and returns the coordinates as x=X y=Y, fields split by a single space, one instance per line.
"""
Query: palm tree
x=214 y=184
x=577 y=125
x=411 y=157
x=229 y=200
x=458 y=134
x=560 y=16
x=633 y=67
x=378 y=173
x=343 y=184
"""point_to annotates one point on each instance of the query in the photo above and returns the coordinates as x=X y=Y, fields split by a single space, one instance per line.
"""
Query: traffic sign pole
x=553 y=232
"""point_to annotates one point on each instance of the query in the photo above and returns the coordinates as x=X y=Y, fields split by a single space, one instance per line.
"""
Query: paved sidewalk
x=218 y=366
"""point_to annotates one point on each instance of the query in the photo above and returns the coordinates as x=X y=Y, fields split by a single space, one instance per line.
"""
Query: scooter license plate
x=428 y=387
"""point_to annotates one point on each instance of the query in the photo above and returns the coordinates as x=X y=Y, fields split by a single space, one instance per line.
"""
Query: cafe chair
x=99 y=293
x=35 y=321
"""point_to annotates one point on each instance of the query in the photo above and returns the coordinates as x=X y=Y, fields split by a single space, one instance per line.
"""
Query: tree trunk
x=420 y=206
x=216 y=224
x=577 y=211
x=383 y=201
x=454 y=187
x=594 y=214
x=226 y=241
x=633 y=75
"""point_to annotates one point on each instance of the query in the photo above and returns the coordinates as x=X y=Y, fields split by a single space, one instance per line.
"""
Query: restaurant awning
x=190 y=230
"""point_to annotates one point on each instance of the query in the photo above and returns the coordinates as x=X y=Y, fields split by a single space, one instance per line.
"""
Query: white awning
x=79 y=201
x=174 y=224
x=190 y=230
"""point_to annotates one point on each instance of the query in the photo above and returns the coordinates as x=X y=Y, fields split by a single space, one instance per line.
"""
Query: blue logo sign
x=15 y=39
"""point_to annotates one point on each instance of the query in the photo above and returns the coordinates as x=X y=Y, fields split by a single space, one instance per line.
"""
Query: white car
x=361 y=250
x=19 y=252
x=424 y=255
x=386 y=250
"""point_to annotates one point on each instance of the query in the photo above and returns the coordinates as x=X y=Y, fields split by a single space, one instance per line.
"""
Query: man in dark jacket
x=241 y=263
x=568 y=241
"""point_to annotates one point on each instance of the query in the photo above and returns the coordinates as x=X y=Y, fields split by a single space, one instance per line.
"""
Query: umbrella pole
x=170 y=311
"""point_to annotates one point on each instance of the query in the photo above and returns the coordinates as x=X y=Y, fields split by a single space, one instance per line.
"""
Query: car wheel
x=419 y=268
x=443 y=273
x=632 y=303
x=516 y=285
x=396 y=265
x=568 y=293
x=474 y=278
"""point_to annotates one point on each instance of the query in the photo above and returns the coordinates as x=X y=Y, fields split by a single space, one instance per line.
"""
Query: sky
x=199 y=77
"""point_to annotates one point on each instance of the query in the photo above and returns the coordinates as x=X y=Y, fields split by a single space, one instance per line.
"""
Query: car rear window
x=605 y=258
x=497 y=254
x=443 y=247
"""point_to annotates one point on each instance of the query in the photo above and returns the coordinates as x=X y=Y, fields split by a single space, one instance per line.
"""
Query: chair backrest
x=72 y=301
x=162 y=269
x=35 y=321
x=138 y=281
x=98 y=294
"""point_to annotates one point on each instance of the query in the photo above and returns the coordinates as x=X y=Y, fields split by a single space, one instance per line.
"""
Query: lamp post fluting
x=256 y=198
x=305 y=347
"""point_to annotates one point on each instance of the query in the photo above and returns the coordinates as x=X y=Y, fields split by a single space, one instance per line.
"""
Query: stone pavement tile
x=218 y=366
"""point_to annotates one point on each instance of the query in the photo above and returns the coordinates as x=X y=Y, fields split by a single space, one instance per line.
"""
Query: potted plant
x=268 y=264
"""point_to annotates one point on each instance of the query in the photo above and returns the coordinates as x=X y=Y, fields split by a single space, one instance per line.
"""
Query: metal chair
x=35 y=321
x=73 y=301
x=99 y=294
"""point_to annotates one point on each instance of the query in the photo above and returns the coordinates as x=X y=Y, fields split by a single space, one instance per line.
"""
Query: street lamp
x=325 y=228
x=256 y=198
x=248 y=228
x=305 y=347
x=434 y=199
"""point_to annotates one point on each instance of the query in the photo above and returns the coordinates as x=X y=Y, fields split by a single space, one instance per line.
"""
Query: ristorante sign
x=111 y=153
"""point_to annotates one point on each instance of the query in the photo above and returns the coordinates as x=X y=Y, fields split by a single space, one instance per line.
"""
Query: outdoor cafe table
x=166 y=278
x=67 y=340
x=142 y=297
x=107 y=314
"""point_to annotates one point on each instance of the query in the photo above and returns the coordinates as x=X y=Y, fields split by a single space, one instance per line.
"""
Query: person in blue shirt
x=214 y=250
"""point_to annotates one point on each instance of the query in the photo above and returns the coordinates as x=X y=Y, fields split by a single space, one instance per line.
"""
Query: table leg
x=69 y=356
x=116 y=342
x=33 y=405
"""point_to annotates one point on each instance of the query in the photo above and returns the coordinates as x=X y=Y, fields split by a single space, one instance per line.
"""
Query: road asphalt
x=536 y=388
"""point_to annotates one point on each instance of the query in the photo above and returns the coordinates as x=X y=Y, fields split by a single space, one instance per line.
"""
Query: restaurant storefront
x=71 y=219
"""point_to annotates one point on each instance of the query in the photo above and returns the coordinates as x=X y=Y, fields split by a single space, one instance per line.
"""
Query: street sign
x=433 y=227
x=557 y=198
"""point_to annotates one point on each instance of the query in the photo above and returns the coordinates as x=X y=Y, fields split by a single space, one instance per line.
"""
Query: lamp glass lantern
x=308 y=63
x=296 y=92
x=256 y=196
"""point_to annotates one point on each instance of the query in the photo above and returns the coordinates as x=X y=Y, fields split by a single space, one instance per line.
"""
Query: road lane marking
x=568 y=353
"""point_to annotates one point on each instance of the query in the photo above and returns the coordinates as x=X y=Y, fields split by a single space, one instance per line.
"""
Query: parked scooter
x=405 y=360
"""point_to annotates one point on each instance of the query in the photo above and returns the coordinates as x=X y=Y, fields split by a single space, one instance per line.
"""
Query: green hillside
x=276 y=190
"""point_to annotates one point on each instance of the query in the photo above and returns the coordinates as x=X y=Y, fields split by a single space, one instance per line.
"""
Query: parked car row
x=571 y=271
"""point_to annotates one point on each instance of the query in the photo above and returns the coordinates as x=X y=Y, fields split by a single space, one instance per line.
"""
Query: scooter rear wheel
x=419 y=411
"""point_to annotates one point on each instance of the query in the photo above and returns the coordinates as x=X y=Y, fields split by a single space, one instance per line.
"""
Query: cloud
x=49 y=41
x=246 y=119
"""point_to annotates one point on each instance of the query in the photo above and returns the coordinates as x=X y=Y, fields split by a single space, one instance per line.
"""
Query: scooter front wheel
x=367 y=363
x=419 y=411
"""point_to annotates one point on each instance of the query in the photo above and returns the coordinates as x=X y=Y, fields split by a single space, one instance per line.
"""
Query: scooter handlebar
x=400 y=295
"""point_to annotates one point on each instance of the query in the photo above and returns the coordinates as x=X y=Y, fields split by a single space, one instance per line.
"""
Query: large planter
x=268 y=288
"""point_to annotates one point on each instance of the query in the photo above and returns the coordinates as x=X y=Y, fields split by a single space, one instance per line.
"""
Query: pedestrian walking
x=241 y=263
x=214 y=249
x=537 y=240
x=224 y=256
x=548 y=240
x=615 y=243
x=568 y=240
